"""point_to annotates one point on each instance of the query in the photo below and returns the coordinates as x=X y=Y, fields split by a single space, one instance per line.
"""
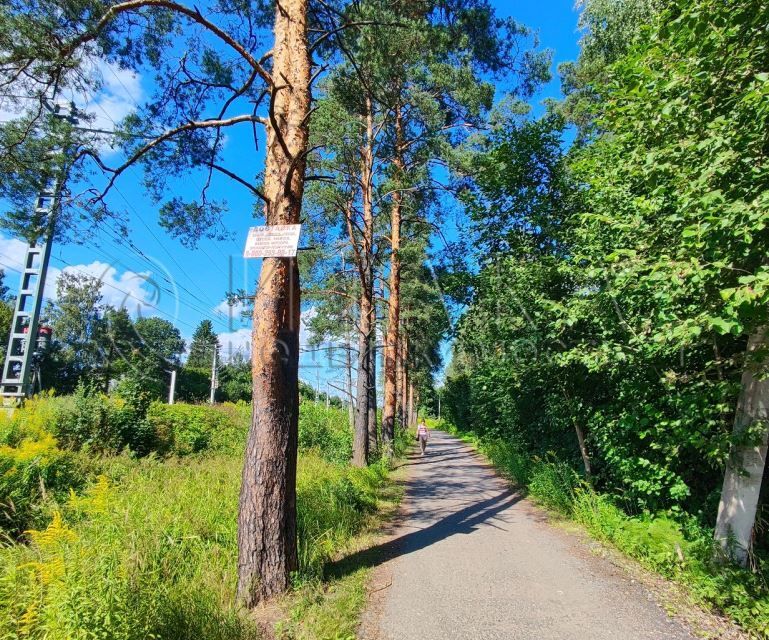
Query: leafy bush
x=325 y=430
x=184 y=429
x=108 y=424
x=552 y=484
x=510 y=458
x=33 y=474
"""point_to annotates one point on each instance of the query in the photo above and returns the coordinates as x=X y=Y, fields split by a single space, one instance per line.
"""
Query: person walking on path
x=423 y=435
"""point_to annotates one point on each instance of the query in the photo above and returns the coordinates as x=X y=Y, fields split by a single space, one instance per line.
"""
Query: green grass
x=148 y=548
x=675 y=547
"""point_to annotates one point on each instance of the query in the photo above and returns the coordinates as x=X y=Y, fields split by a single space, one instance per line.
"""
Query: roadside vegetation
x=621 y=292
x=101 y=540
x=673 y=544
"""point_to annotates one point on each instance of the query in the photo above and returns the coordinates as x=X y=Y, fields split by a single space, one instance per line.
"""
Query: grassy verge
x=673 y=545
x=126 y=547
x=330 y=609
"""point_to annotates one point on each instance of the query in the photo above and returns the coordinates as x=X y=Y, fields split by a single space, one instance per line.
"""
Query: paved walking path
x=473 y=561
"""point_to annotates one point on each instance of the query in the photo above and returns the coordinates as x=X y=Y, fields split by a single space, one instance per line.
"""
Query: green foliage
x=622 y=278
x=672 y=544
x=38 y=444
x=184 y=429
x=201 y=351
x=193 y=385
x=235 y=384
x=4 y=290
x=325 y=430
x=76 y=320
x=91 y=420
x=152 y=556
x=34 y=474
x=332 y=501
x=149 y=549
x=552 y=484
x=6 y=318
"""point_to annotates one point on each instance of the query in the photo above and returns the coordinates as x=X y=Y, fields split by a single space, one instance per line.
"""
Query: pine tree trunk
x=348 y=367
x=373 y=423
x=360 y=435
x=394 y=307
x=405 y=385
x=363 y=395
x=400 y=380
x=746 y=464
x=267 y=548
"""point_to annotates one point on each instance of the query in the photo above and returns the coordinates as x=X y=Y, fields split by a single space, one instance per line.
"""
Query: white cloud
x=120 y=94
x=235 y=342
x=136 y=291
x=12 y=253
x=234 y=312
x=133 y=291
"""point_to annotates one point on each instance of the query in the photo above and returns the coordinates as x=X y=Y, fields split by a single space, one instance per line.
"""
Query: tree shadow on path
x=464 y=521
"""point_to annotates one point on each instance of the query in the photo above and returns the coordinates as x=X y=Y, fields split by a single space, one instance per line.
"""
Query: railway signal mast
x=28 y=341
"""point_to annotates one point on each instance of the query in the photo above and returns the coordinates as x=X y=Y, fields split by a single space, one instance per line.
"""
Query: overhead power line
x=126 y=293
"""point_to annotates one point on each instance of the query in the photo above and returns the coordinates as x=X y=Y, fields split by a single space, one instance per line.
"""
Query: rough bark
x=373 y=424
x=365 y=269
x=394 y=306
x=747 y=461
x=400 y=384
x=267 y=551
x=405 y=385
x=360 y=434
x=348 y=374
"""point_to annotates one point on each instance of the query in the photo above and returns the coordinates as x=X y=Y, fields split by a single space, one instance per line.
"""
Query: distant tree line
x=103 y=347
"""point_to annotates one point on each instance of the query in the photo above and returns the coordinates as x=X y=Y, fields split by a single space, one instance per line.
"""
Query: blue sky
x=152 y=274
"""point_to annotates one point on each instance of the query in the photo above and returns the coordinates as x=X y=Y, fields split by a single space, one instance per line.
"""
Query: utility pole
x=16 y=381
x=317 y=386
x=328 y=395
x=172 y=388
x=214 y=373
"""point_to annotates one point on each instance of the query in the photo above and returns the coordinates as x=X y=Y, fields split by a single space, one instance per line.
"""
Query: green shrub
x=38 y=417
x=552 y=484
x=325 y=430
x=184 y=429
x=510 y=458
x=33 y=475
x=86 y=420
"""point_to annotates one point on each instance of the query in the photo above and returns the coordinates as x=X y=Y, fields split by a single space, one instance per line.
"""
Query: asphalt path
x=470 y=559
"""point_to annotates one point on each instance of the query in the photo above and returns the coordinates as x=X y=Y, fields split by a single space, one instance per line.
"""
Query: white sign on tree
x=273 y=241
